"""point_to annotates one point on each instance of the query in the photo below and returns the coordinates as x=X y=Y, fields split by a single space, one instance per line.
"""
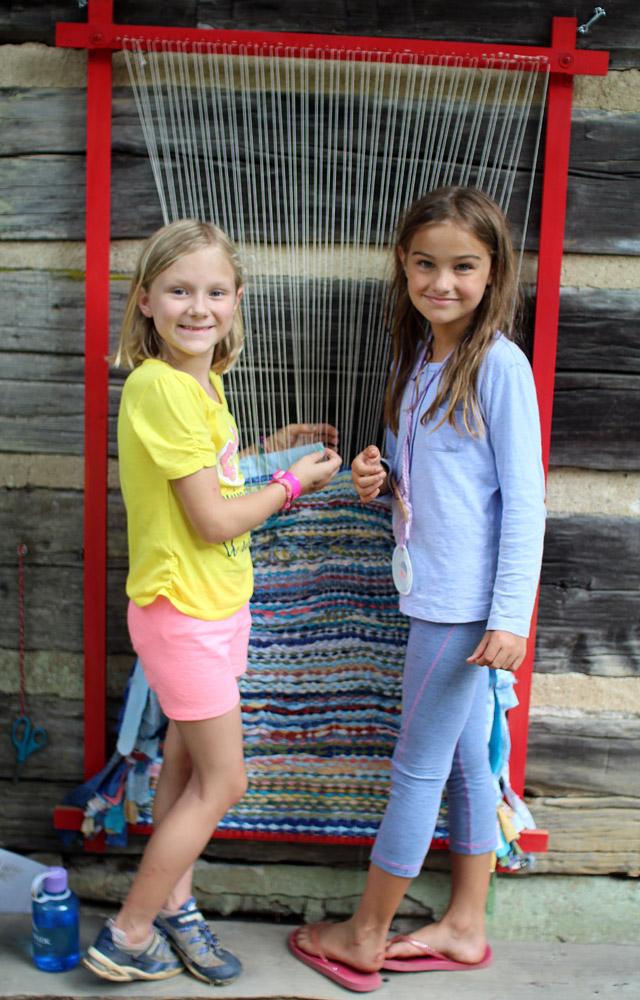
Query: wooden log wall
x=585 y=719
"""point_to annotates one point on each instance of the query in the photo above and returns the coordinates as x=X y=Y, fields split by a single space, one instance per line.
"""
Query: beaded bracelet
x=291 y=484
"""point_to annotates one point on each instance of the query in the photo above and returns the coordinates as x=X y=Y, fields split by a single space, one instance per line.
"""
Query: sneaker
x=110 y=961
x=198 y=946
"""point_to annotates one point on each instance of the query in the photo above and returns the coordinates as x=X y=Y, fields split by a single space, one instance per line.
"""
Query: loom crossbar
x=560 y=59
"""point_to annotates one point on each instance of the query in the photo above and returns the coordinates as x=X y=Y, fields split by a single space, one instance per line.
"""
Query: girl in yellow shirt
x=190 y=579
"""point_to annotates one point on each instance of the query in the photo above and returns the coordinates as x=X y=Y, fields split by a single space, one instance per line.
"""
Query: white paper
x=16 y=875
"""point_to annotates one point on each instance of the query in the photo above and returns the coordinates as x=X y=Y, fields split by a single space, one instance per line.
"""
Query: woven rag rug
x=320 y=698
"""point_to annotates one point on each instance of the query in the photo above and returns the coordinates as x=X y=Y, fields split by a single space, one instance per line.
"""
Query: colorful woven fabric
x=321 y=697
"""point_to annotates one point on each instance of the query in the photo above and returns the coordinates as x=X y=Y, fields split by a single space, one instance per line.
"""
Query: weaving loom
x=307 y=163
x=319 y=145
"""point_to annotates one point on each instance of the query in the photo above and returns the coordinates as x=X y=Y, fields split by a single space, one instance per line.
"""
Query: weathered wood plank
x=136 y=211
x=48 y=417
x=589 y=620
x=527 y=23
x=594 y=753
x=588 y=632
x=48 y=312
x=42 y=416
x=43 y=120
x=95 y=877
x=54 y=601
x=593 y=407
x=26 y=819
x=260 y=851
x=45 y=198
x=253 y=133
x=61 y=758
x=36 y=21
x=598 y=330
x=588 y=754
x=578 y=631
x=595 y=134
x=588 y=863
x=592 y=552
x=589 y=835
x=611 y=232
x=596 y=409
x=50 y=523
x=46 y=121
x=582 y=551
x=35 y=184
x=55 y=368
x=596 y=419
x=589 y=611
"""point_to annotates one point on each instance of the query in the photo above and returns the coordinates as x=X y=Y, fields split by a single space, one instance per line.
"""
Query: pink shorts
x=191 y=664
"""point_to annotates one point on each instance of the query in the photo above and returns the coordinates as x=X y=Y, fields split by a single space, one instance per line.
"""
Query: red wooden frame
x=100 y=36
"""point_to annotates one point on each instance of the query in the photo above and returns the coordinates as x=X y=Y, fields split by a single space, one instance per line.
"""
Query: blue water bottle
x=54 y=913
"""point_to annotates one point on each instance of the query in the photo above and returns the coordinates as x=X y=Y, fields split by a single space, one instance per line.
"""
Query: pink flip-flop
x=433 y=961
x=344 y=975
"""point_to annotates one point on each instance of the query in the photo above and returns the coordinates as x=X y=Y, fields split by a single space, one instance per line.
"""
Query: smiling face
x=192 y=304
x=447 y=270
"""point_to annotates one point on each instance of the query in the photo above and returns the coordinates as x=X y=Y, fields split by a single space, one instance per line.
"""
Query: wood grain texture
x=596 y=420
x=43 y=178
x=589 y=754
x=598 y=331
x=593 y=406
x=589 y=835
x=589 y=611
x=589 y=617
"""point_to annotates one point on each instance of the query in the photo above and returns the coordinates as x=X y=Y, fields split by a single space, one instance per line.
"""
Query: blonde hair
x=138 y=337
x=477 y=213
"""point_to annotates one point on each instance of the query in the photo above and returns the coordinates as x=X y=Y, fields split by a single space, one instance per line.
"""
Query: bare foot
x=344 y=942
x=469 y=946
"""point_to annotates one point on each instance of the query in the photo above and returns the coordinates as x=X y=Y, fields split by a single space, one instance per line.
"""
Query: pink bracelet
x=291 y=484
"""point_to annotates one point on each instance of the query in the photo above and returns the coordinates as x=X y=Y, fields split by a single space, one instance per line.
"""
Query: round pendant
x=401 y=569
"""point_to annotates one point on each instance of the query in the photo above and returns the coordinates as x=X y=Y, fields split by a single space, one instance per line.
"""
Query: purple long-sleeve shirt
x=478 y=502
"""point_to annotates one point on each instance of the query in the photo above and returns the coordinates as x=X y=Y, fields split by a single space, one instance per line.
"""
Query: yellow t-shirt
x=168 y=427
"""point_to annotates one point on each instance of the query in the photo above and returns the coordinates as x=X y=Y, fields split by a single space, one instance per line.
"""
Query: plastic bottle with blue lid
x=55 y=921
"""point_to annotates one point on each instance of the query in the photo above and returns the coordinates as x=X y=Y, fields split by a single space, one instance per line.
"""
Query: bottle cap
x=55 y=880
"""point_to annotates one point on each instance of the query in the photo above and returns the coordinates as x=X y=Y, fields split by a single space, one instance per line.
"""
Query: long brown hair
x=473 y=210
x=138 y=337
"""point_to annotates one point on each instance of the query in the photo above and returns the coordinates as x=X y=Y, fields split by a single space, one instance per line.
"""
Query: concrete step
x=522 y=970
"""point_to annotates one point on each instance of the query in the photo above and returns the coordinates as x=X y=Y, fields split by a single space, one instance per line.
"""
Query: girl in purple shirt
x=465 y=475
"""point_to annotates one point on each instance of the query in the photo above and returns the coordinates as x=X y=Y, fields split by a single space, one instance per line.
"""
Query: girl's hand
x=217 y=519
x=499 y=650
x=369 y=475
x=316 y=470
x=298 y=434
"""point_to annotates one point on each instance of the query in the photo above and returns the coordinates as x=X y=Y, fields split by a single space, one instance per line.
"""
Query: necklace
x=401 y=568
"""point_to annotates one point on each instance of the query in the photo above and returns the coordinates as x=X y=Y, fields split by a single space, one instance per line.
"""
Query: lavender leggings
x=442 y=741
